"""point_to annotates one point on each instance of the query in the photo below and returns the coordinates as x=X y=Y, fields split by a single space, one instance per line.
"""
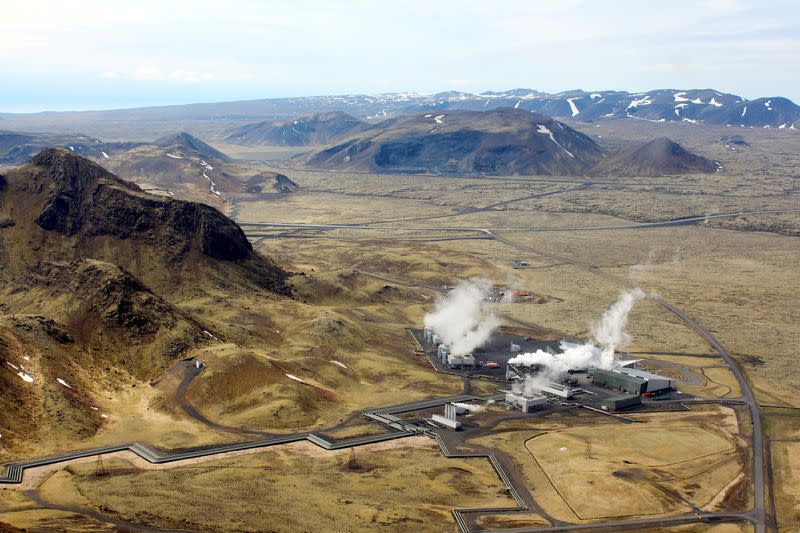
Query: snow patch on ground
x=516 y=106
x=640 y=102
x=20 y=371
x=767 y=104
x=339 y=363
x=679 y=97
x=211 y=335
x=595 y=95
x=545 y=131
x=572 y=105
x=62 y=382
x=697 y=101
x=438 y=119
x=292 y=376
x=174 y=156
x=71 y=148
x=105 y=155
x=744 y=111
x=214 y=190
x=715 y=103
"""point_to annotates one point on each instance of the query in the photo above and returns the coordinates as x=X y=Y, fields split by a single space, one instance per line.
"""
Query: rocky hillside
x=659 y=157
x=64 y=207
x=178 y=165
x=503 y=141
x=98 y=289
x=313 y=130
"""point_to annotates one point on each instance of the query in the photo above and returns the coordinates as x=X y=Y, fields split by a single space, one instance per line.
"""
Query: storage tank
x=443 y=351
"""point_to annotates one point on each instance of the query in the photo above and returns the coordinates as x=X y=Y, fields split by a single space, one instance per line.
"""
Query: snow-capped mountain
x=664 y=105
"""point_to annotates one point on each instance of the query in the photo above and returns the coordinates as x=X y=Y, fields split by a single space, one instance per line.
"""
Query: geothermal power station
x=462 y=337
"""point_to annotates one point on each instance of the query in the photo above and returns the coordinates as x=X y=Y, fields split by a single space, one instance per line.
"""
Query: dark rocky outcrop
x=85 y=197
x=160 y=240
x=114 y=295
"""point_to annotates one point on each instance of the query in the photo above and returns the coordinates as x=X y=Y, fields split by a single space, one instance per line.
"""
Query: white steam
x=609 y=331
x=608 y=334
x=471 y=407
x=463 y=319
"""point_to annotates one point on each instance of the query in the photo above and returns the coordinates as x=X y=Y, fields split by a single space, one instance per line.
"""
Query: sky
x=76 y=55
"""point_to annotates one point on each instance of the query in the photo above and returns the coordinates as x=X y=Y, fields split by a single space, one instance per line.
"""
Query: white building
x=555 y=389
x=525 y=403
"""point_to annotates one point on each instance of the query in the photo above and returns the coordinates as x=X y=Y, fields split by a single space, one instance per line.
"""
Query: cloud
x=313 y=47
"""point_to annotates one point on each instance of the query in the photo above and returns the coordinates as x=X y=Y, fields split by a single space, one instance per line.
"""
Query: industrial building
x=654 y=381
x=460 y=361
x=525 y=403
x=630 y=380
x=621 y=402
x=555 y=389
x=618 y=381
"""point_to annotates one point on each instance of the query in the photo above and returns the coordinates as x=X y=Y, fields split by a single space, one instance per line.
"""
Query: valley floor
x=276 y=370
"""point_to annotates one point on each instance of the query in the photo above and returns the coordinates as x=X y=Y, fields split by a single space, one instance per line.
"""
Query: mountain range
x=707 y=106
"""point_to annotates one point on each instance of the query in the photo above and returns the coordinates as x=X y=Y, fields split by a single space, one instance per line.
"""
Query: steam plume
x=463 y=318
x=608 y=334
x=471 y=407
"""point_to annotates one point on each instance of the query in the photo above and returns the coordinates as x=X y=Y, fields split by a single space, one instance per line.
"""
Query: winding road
x=516 y=487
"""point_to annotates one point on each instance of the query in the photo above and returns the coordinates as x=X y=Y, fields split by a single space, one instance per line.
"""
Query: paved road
x=758 y=514
x=377 y=226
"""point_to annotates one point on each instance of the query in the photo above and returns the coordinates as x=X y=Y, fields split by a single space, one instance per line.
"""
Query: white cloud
x=312 y=46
